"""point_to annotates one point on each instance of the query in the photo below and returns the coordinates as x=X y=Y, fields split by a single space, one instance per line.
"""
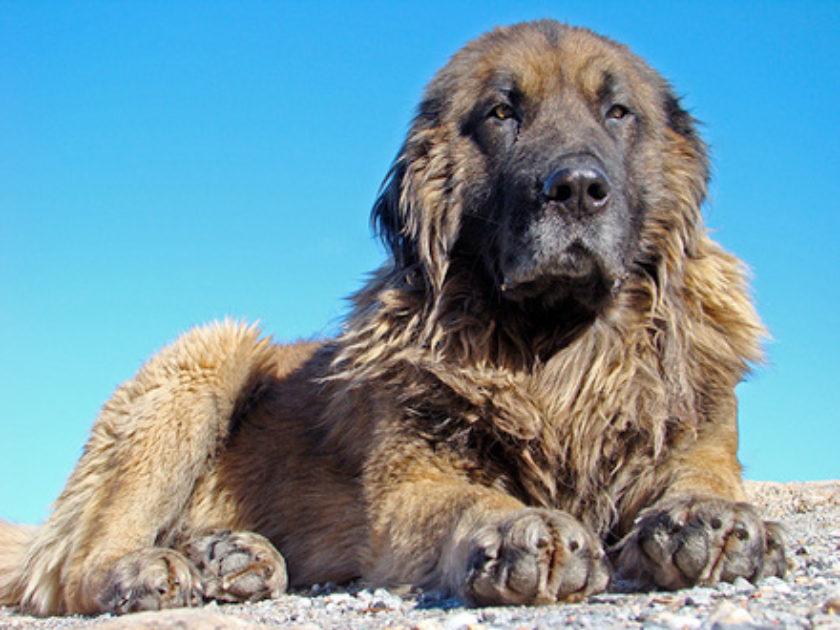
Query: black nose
x=583 y=189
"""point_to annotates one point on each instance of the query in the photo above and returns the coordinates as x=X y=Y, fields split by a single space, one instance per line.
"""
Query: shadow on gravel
x=432 y=601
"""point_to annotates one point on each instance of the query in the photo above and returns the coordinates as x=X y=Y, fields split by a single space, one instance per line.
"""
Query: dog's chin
x=554 y=293
x=559 y=286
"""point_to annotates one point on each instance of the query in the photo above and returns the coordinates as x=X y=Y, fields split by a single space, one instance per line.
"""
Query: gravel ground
x=809 y=597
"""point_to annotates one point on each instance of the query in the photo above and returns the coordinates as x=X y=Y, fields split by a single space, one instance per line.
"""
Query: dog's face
x=564 y=220
x=544 y=143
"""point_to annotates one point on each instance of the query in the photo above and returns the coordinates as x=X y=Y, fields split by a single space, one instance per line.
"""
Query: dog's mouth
x=575 y=274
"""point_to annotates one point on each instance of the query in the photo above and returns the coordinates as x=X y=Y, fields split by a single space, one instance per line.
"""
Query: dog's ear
x=417 y=214
x=388 y=220
x=685 y=126
x=675 y=224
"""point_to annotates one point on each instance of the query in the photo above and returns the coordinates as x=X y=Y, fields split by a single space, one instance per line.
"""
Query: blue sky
x=163 y=164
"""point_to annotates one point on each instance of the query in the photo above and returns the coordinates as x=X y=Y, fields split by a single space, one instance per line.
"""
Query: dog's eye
x=617 y=112
x=502 y=111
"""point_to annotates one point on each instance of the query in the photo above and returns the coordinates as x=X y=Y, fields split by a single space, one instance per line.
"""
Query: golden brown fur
x=450 y=431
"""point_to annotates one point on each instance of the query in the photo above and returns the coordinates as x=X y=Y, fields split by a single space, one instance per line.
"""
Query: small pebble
x=832 y=603
x=743 y=586
x=775 y=584
x=699 y=596
x=340 y=598
x=462 y=621
x=729 y=614
x=676 y=621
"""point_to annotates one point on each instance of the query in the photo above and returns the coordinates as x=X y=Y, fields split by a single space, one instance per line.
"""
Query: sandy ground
x=809 y=597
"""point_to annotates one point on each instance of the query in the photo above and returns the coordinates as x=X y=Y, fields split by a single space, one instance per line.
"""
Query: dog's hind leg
x=106 y=545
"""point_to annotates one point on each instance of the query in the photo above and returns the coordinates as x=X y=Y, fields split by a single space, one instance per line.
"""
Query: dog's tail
x=15 y=541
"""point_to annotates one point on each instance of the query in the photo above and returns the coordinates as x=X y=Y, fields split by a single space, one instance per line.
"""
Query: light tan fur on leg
x=153 y=440
x=14 y=542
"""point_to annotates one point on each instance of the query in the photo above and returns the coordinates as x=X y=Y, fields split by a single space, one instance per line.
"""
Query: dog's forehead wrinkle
x=598 y=71
x=503 y=82
x=610 y=90
x=533 y=69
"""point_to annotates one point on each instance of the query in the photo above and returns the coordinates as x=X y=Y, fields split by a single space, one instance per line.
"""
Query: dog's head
x=547 y=161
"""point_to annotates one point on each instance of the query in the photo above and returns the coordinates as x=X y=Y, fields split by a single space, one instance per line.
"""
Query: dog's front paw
x=691 y=541
x=238 y=566
x=534 y=556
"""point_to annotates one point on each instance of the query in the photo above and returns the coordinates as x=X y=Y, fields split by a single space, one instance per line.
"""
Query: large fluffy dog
x=539 y=381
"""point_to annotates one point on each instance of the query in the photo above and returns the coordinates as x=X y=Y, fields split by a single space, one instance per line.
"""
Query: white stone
x=461 y=621
x=729 y=613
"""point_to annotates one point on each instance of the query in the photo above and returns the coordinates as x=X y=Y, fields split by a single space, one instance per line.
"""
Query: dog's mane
x=582 y=421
